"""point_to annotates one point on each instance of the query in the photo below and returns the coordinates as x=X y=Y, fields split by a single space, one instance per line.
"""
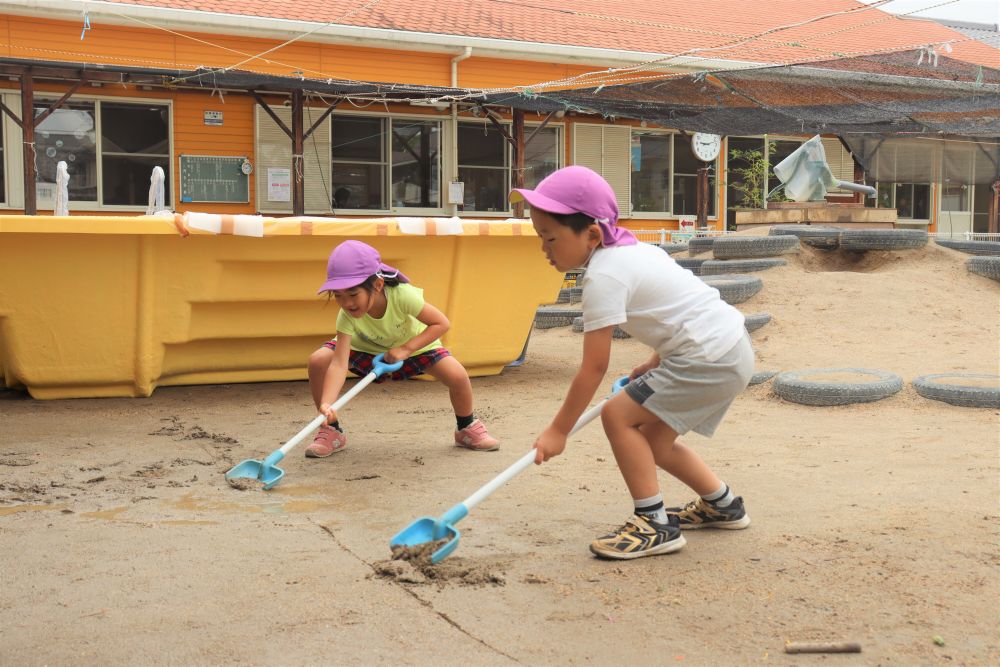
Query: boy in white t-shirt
x=701 y=360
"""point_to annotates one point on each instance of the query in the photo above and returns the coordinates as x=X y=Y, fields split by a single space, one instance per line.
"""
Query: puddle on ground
x=110 y=514
x=191 y=503
x=15 y=509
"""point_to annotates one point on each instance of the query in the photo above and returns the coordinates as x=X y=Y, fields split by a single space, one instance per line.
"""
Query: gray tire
x=563 y=295
x=578 y=324
x=547 y=317
x=692 y=264
x=713 y=267
x=761 y=377
x=618 y=332
x=836 y=386
x=972 y=247
x=984 y=266
x=700 y=244
x=735 y=287
x=756 y=321
x=737 y=247
x=882 y=239
x=671 y=248
x=968 y=390
x=575 y=294
x=817 y=236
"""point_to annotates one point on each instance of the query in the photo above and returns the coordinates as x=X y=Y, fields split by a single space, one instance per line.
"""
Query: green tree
x=748 y=177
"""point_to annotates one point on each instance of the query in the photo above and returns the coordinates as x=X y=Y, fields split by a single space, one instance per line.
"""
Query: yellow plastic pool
x=116 y=306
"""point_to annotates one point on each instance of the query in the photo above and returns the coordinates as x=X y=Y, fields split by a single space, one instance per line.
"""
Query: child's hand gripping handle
x=379 y=368
x=529 y=458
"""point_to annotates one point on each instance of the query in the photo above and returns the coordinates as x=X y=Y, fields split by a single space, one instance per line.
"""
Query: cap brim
x=344 y=282
x=539 y=201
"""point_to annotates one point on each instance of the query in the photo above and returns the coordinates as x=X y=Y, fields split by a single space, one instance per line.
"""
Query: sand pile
x=911 y=312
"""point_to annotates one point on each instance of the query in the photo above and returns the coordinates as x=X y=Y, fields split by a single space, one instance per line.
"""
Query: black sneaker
x=703 y=514
x=640 y=536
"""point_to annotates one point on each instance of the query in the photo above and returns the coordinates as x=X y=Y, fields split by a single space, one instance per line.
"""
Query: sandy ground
x=122 y=543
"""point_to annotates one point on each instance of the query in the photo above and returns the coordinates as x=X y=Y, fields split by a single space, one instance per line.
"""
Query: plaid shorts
x=360 y=363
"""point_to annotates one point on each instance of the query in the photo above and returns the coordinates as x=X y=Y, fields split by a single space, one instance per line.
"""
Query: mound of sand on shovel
x=911 y=312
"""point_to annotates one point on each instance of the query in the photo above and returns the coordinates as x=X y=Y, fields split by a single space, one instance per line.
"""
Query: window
x=483 y=166
x=134 y=138
x=685 y=178
x=484 y=163
x=359 y=162
x=416 y=164
x=650 y=158
x=912 y=201
x=541 y=155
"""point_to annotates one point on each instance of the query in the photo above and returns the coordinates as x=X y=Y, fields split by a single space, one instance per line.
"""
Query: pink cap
x=577 y=189
x=353 y=262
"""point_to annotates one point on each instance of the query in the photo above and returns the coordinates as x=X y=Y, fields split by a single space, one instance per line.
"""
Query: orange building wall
x=42 y=39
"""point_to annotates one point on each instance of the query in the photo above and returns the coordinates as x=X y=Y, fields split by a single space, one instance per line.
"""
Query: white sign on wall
x=279 y=184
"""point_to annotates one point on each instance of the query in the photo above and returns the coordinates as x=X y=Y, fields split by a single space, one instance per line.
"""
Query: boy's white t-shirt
x=642 y=289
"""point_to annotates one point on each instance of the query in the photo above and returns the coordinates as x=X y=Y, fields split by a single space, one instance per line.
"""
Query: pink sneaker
x=474 y=436
x=328 y=441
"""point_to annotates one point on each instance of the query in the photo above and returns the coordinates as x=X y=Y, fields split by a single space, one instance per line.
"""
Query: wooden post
x=28 y=137
x=518 y=158
x=993 y=214
x=701 y=198
x=298 y=163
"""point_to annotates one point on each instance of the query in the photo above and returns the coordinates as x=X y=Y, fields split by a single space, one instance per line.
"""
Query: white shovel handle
x=525 y=461
x=321 y=419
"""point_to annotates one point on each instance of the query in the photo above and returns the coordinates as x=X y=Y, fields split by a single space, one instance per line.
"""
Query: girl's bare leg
x=453 y=375
x=319 y=364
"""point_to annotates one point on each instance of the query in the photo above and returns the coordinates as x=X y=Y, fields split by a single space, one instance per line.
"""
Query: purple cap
x=353 y=262
x=577 y=189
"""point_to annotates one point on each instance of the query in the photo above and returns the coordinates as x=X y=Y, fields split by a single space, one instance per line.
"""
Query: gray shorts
x=692 y=394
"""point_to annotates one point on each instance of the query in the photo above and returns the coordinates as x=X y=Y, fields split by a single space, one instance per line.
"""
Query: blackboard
x=214 y=178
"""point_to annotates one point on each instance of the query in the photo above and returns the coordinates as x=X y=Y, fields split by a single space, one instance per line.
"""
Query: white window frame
x=443 y=162
x=660 y=215
x=508 y=167
x=560 y=149
x=76 y=205
x=932 y=186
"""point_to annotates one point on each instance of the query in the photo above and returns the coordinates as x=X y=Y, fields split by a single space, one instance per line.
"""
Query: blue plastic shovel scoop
x=428 y=531
x=267 y=471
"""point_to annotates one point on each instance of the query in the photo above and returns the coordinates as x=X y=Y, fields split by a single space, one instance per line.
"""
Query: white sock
x=651 y=507
x=722 y=497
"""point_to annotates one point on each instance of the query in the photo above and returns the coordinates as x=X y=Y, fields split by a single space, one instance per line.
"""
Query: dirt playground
x=122 y=544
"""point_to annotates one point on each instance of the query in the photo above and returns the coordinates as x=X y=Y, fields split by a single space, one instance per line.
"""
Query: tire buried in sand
x=756 y=321
x=735 y=287
x=740 y=247
x=713 y=267
x=547 y=317
x=968 y=390
x=988 y=267
x=882 y=239
x=816 y=236
x=692 y=264
x=972 y=247
x=836 y=386
x=700 y=244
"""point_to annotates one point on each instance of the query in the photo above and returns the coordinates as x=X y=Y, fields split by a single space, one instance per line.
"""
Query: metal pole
x=28 y=137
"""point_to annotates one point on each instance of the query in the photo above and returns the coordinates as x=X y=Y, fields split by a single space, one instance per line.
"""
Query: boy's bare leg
x=453 y=375
x=680 y=460
x=641 y=442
